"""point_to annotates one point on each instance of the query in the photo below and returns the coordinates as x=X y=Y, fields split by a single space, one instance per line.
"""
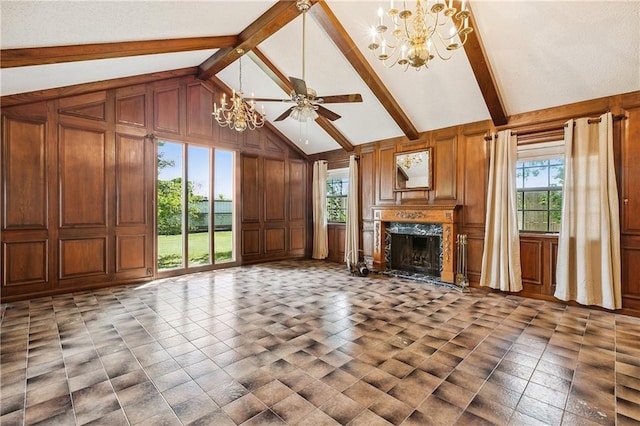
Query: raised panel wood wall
x=336 y=234
x=251 y=211
x=444 y=168
x=166 y=109
x=386 y=175
x=25 y=188
x=81 y=214
x=25 y=263
x=274 y=183
x=630 y=191
x=631 y=272
x=131 y=106
x=630 y=209
x=274 y=203
x=474 y=170
x=82 y=170
x=199 y=101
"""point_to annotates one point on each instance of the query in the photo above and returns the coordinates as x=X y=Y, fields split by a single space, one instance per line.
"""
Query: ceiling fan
x=308 y=105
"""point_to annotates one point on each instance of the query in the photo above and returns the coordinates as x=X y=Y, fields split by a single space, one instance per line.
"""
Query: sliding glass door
x=193 y=182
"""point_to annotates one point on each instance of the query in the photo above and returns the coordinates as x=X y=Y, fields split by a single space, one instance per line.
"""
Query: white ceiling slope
x=542 y=54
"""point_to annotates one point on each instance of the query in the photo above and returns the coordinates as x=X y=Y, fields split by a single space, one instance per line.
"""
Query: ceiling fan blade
x=328 y=114
x=335 y=99
x=299 y=86
x=284 y=114
x=266 y=100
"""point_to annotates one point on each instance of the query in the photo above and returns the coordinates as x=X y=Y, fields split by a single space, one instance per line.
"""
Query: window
x=539 y=179
x=337 y=191
x=187 y=234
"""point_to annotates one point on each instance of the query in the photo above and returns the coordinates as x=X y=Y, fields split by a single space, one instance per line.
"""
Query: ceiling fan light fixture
x=416 y=36
x=303 y=113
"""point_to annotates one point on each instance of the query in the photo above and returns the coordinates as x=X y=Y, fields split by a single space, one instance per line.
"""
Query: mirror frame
x=428 y=172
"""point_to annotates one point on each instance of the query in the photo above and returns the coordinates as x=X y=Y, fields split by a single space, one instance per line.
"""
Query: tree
x=336 y=200
x=170 y=201
x=170 y=206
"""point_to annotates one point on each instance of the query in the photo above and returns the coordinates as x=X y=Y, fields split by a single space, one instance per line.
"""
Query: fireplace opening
x=416 y=253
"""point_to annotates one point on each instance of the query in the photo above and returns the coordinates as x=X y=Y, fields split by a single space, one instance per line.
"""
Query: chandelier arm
x=444 y=58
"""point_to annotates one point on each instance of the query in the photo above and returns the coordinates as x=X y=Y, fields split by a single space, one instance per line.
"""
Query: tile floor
x=305 y=343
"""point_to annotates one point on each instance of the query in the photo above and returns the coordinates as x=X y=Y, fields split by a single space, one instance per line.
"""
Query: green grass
x=170 y=249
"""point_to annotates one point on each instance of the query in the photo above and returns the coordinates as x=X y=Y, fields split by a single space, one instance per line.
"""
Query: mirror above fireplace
x=413 y=170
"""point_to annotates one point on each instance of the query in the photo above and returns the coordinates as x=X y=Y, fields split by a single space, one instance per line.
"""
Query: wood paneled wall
x=460 y=172
x=78 y=180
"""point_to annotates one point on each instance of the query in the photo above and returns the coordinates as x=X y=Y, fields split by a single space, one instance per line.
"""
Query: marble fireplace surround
x=443 y=214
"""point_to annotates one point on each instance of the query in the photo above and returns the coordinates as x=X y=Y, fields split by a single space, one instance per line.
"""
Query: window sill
x=533 y=234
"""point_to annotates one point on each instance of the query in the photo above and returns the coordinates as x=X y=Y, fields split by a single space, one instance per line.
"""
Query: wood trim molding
x=334 y=29
x=79 y=89
x=10 y=58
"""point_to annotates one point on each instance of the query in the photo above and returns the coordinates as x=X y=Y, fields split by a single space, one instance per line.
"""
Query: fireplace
x=414 y=247
x=416 y=239
x=416 y=253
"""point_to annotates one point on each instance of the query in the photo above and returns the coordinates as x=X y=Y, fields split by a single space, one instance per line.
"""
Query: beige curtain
x=319 y=193
x=588 y=269
x=352 y=234
x=501 y=257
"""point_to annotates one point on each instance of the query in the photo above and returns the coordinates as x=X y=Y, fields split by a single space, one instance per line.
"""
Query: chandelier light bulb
x=240 y=115
x=416 y=37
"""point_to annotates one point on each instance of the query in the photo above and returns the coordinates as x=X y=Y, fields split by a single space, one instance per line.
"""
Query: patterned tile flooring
x=305 y=343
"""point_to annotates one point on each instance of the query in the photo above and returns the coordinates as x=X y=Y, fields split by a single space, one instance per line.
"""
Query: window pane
x=535 y=221
x=519 y=202
x=555 y=200
x=535 y=163
x=536 y=200
x=555 y=220
x=170 y=205
x=223 y=207
x=536 y=177
x=520 y=226
x=519 y=176
x=337 y=209
x=198 y=192
x=556 y=175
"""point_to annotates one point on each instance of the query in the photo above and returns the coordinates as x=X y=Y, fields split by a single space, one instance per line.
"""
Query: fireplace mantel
x=444 y=214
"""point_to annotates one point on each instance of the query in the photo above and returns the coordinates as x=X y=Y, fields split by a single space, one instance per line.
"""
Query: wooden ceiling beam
x=10 y=58
x=279 y=15
x=482 y=70
x=283 y=82
x=334 y=29
x=267 y=67
x=328 y=127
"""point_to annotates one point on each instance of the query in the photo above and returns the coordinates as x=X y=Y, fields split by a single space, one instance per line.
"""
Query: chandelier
x=416 y=36
x=238 y=114
x=407 y=161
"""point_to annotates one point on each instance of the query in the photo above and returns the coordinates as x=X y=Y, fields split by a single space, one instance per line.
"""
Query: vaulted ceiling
x=523 y=56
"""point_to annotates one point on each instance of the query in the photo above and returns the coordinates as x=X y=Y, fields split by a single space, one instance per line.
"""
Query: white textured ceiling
x=542 y=54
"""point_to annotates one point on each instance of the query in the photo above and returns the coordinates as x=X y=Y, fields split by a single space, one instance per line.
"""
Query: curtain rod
x=557 y=127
